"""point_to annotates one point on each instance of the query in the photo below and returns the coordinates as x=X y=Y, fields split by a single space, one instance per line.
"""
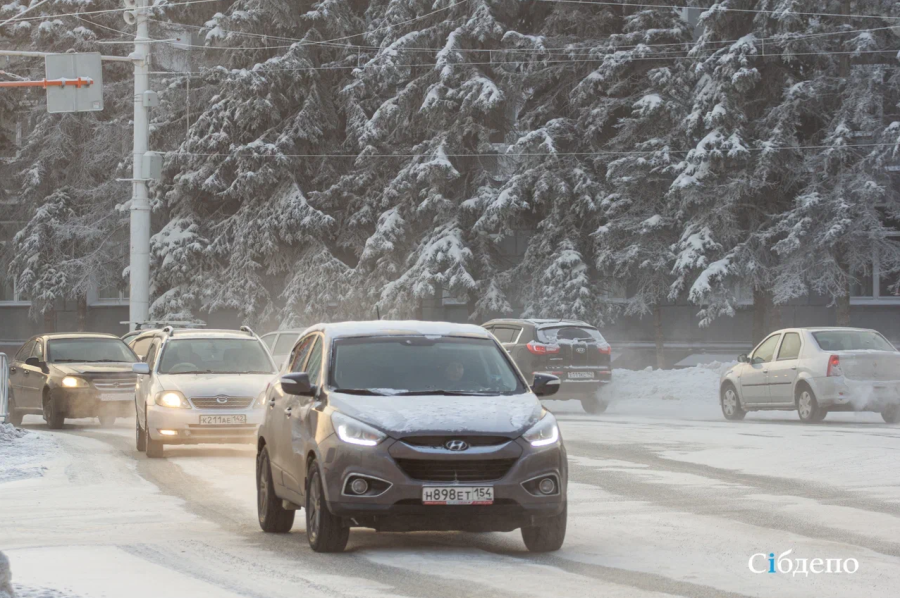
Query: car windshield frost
x=422 y=365
x=852 y=340
x=89 y=350
x=215 y=356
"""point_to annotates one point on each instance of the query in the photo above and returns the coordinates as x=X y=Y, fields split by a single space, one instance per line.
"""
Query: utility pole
x=139 y=270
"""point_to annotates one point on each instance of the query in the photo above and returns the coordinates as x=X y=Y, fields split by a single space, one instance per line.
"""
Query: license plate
x=580 y=375
x=456 y=495
x=222 y=420
x=116 y=396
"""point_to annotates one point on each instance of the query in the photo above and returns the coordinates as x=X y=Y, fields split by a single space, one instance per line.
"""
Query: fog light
x=168 y=432
x=359 y=486
x=547 y=486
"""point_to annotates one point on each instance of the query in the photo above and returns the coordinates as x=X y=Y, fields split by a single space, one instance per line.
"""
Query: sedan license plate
x=581 y=375
x=222 y=420
x=456 y=495
x=116 y=396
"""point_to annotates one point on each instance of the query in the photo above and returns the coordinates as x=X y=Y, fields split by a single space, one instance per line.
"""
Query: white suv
x=814 y=371
x=199 y=386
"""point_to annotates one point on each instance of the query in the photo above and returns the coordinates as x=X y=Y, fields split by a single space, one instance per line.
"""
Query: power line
x=499 y=63
x=29 y=9
x=560 y=49
x=522 y=154
x=718 y=8
x=107 y=11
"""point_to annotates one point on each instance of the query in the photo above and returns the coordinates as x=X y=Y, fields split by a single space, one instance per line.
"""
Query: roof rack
x=167 y=323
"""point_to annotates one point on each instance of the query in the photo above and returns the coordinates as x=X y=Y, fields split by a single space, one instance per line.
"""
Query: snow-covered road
x=659 y=505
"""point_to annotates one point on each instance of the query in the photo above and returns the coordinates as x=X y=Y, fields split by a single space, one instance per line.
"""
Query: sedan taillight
x=605 y=349
x=834 y=366
x=540 y=349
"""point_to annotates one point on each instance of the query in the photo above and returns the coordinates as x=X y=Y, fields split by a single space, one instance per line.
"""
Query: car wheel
x=593 y=405
x=820 y=415
x=731 y=404
x=154 y=447
x=326 y=533
x=807 y=406
x=892 y=414
x=52 y=414
x=14 y=416
x=548 y=536
x=273 y=518
x=140 y=437
x=107 y=421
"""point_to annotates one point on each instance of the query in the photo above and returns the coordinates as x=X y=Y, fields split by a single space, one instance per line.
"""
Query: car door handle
x=12 y=370
x=271 y=403
x=26 y=372
x=287 y=412
x=765 y=371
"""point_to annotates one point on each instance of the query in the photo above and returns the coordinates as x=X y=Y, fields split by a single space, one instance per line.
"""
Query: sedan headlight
x=172 y=399
x=73 y=382
x=544 y=432
x=355 y=432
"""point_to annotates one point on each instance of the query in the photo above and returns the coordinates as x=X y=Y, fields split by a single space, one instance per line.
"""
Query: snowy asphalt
x=658 y=506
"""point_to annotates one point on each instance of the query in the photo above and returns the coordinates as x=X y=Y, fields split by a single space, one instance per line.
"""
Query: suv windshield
x=569 y=333
x=215 y=356
x=852 y=340
x=88 y=350
x=417 y=364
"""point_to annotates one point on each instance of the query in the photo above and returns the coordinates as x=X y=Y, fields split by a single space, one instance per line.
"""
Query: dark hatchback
x=407 y=426
x=72 y=375
x=572 y=350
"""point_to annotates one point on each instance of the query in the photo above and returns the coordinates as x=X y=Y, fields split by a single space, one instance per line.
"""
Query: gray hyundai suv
x=409 y=426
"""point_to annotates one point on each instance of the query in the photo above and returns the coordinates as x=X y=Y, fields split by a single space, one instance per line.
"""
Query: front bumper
x=841 y=394
x=187 y=429
x=90 y=402
x=400 y=508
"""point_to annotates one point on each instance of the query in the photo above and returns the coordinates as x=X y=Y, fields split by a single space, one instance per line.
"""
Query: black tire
x=107 y=421
x=325 y=532
x=730 y=402
x=807 y=406
x=273 y=518
x=593 y=405
x=548 y=536
x=140 y=436
x=14 y=416
x=891 y=415
x=154 y=447
x=52 y=413
x=821 y=415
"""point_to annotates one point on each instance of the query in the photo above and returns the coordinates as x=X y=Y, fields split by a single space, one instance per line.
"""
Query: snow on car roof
x=395 y=328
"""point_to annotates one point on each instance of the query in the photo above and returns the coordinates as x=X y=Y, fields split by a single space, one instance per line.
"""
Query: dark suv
x=574 y=351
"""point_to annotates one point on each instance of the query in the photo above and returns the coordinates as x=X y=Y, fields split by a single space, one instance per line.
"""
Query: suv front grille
x=116 y=383
x=439 y=441
x=221 y=402
x=451 y=470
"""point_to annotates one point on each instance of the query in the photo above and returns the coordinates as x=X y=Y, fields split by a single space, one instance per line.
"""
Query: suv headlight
x=544 y=432
x=73 y=382
x=355 y=432
x=172 y=399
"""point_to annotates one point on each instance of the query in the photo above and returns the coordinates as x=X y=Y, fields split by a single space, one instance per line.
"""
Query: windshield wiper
x=108 y=361
x=452 y=393
x=359 y=391
x=191 y=372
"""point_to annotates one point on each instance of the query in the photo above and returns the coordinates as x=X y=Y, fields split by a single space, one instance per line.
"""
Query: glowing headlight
x=355 y=432
x=544 y=432
x=172 y=399
x=73 y=382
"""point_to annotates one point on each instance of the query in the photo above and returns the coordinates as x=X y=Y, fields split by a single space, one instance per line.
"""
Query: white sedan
x=814 y=371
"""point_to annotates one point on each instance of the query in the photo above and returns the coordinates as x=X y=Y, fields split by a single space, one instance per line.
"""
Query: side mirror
x=297 y=384
x=142 y=369
x=545 y=385
x=33 y=362
x=743 y=358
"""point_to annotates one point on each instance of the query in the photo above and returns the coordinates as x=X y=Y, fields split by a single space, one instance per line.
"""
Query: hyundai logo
x=221 y=400
x=456 y=445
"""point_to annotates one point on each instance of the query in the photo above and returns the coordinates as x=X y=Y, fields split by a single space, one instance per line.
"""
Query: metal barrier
x=4 y=387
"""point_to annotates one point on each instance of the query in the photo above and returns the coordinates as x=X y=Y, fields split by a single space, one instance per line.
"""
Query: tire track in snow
x=702 y=502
